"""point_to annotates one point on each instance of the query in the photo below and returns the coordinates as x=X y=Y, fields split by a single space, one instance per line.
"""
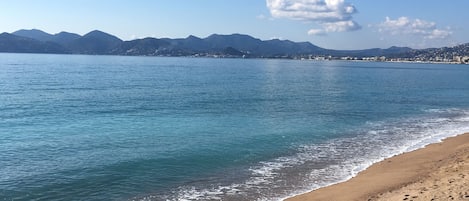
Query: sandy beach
x=437 y=172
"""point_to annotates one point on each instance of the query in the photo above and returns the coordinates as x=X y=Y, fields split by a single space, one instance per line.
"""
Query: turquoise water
x=147 y=128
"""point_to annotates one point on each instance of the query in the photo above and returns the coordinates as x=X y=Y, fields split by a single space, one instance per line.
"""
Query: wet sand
x=437 y=172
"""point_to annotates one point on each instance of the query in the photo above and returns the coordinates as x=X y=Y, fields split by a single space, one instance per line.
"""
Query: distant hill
x=18 y=44
x=146 y=46
x=34 y=34
x=61 y=38
x=95 y=42
x=286 y=47
x=190 y=44
x=65 y=38
x=370 y=52
x=241 y=42
x=431 y=54
x=215 y=44
x=233 y=45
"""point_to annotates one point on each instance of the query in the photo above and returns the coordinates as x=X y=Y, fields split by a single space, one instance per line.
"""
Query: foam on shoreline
x=318 y=165
x=398 y=172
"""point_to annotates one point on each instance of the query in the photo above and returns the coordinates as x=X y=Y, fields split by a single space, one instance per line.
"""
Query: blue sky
x=335 y=24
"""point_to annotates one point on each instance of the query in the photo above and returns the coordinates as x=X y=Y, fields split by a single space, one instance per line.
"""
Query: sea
x=78 y=127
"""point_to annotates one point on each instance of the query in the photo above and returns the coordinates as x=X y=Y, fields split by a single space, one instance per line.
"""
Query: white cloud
x=439 y=34
x=319 y=32
x=418 y=27
x=341 y=26
x=332 y=15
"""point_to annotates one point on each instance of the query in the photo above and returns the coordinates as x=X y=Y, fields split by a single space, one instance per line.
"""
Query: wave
x=322 y=164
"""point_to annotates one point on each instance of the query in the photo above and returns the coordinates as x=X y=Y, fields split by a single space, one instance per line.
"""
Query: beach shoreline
x=438 y=171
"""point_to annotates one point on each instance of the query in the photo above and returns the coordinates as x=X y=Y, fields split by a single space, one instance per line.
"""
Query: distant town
x=453 y=55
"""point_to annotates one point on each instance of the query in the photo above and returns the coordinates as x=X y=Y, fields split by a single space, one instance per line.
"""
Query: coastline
x=435 y=172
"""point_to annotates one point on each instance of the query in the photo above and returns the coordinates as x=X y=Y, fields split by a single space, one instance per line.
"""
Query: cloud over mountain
x=331 y=15
x=417 y=27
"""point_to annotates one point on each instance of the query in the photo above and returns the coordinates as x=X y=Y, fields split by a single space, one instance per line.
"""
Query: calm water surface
x=147 y=128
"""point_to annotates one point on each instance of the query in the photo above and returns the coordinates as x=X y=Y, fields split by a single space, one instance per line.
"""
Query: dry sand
x=437 y=172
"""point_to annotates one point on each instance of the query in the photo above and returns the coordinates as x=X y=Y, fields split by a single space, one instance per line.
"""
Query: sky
x=333 y=24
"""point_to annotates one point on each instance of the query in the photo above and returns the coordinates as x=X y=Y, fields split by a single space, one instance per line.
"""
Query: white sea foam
x=414 y=133
x=318 y=165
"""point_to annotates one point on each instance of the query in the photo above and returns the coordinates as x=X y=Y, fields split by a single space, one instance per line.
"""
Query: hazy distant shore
x=214 y=46
x=436 y=172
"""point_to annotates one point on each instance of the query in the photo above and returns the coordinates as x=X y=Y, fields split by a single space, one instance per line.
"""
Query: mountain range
x=234 y=45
